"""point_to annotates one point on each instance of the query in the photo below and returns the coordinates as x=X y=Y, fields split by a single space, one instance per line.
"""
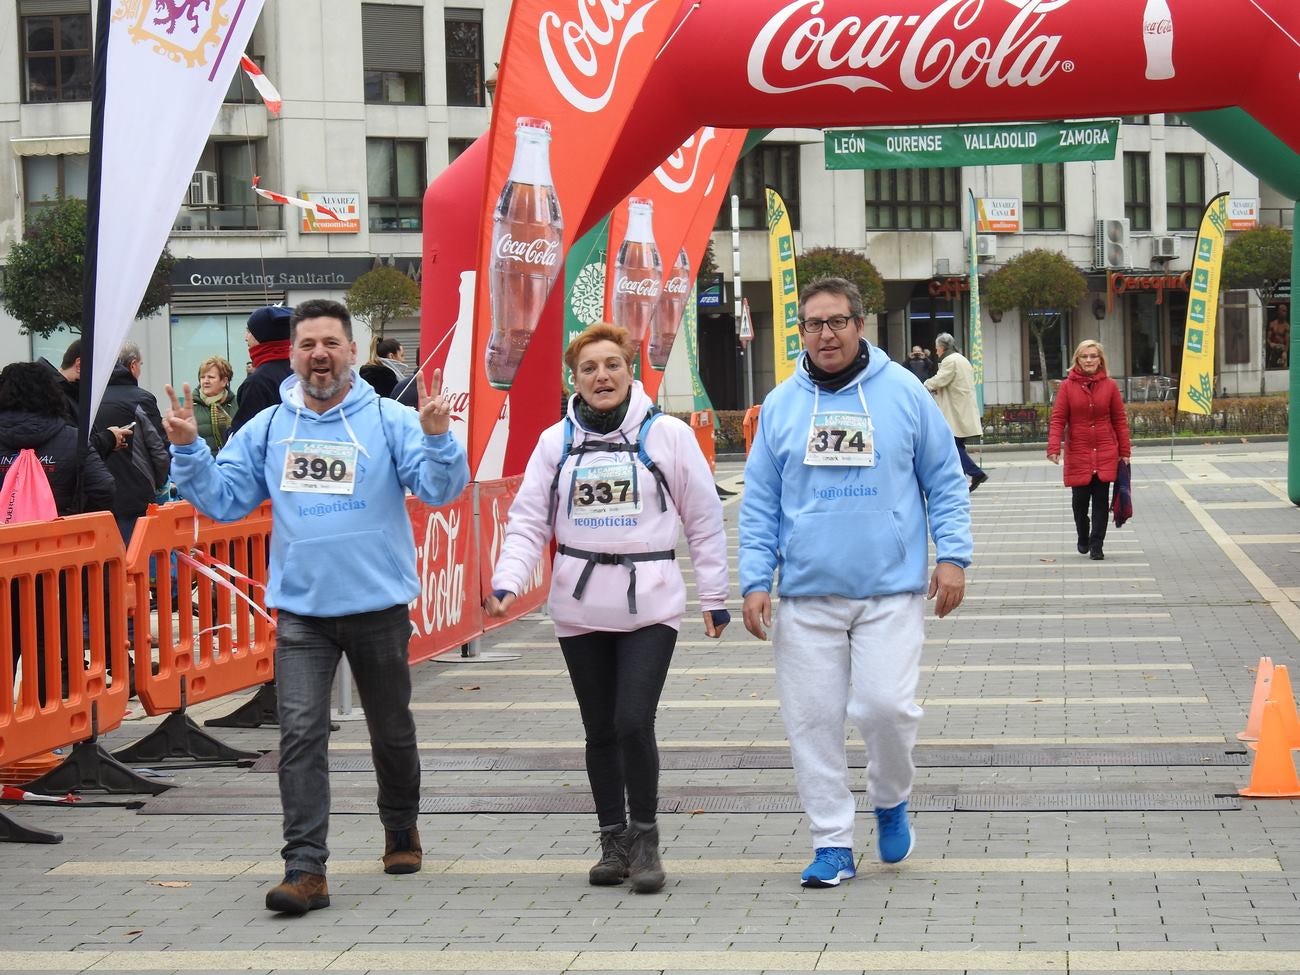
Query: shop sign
x=1118 y=283
x=1243 y=213
x=293 y=273
x=346 y=205
x=998 y=215
x=918 y=147
x=950 y=288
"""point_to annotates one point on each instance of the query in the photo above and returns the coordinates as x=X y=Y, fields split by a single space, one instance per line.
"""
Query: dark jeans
x=307 y=652
x=1096 y=494
x=968 y=466
x=618 y=678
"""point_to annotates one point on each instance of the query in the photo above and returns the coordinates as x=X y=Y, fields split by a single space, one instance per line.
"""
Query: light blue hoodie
x=331 y=554
x=852 y=531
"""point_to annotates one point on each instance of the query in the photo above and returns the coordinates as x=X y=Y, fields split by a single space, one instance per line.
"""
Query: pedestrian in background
x=1088 y=419
x=214 y=402
x=953 y=386
x=919 y=363
x=267 y=335
x=617 y=626
x=851 y=465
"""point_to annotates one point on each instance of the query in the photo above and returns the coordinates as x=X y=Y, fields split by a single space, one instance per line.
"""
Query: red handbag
x=25 y=494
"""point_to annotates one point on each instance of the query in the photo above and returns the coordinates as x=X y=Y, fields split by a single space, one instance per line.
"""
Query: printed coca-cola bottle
x=637 y=272
x=527 y=233
x=1158 y=37
x=672 y=303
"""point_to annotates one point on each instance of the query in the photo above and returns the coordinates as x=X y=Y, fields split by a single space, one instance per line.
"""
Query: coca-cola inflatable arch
x=623 y=83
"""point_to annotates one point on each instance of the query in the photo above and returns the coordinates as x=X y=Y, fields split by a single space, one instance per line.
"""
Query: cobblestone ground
x=1076 y=797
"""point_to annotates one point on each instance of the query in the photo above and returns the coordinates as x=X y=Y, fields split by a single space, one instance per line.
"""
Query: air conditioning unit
x=1164 y=248
x=986 y=245
x=1112 y=244
x=203 y=189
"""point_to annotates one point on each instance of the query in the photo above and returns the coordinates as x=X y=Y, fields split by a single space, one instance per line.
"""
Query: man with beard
x=335 y=459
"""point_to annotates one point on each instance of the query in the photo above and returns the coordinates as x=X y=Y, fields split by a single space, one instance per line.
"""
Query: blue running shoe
x=894 y=834
x=830 y=865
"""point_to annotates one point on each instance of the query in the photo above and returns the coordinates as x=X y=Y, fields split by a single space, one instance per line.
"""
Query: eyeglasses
x=837 y=323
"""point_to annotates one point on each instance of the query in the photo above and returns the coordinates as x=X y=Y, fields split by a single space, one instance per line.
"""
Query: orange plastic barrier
x=448 y=611
x=205 y=634
x=750 y=426
x=702 y=424
x=64 y=586
x=494 y=500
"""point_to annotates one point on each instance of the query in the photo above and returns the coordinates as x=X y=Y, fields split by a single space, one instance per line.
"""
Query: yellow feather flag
x=1196 y=378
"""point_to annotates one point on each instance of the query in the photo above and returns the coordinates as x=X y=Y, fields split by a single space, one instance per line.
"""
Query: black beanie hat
x=270 y=324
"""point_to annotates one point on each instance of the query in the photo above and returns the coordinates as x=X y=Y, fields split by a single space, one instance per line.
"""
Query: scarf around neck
x=833 y=382
x=601 y=421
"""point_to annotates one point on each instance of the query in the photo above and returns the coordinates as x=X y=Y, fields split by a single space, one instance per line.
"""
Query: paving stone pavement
x=1154 y=648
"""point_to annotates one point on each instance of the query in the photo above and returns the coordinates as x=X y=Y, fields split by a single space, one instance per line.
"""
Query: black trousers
x=1095 y=495
x=618 y=678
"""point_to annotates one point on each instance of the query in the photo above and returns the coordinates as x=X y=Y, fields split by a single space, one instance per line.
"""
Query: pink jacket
x=660 y=590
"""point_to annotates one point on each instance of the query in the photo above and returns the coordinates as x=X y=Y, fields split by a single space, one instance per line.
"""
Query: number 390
x=318 y=469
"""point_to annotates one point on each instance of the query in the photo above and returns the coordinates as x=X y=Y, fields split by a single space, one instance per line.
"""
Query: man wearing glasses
x=852 y=462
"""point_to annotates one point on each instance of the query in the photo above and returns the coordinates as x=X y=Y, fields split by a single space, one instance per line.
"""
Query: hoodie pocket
x=339 y=569
x=833 y=553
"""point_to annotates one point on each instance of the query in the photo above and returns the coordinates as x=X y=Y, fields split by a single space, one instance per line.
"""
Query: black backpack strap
x=629 y=559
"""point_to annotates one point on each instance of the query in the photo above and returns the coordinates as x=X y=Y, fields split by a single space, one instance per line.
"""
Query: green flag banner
x=584 y=284
x=976 y=345
x=970 y=145
x=690 y=328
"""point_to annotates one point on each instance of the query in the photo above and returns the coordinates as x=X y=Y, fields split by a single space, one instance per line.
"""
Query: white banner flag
x=169 y=67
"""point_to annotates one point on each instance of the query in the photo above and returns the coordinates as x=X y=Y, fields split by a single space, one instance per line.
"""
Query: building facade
x=380 y=97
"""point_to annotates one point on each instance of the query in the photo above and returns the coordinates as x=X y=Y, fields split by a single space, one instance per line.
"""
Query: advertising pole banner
x=566 y=87
x=785 y=287
x=976 y=341
x=690 y=328
x=160 y=80
x=584 y=284
x=1196 y=378
x=662 y=241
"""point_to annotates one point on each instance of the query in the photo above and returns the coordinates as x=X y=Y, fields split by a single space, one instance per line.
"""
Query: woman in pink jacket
x=614 y=484
x=1089 y=416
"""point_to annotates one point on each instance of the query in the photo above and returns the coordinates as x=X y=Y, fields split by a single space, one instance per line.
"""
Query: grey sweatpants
x=841 y=659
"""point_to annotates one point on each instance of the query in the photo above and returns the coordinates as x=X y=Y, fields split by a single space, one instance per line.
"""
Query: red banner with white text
x=448 y=611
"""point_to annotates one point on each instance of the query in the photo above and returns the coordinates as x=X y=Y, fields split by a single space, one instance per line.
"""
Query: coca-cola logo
x=677 y=285
x=638 y=287
x=442 y=577
x=677 y=174
x=909 y=50
x=583 y=55
x=539 y=250
x=1164 y=26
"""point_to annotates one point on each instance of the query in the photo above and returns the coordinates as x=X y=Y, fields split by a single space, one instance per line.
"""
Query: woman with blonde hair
x=1088 y=417
x=615 y=483
x=215 y=402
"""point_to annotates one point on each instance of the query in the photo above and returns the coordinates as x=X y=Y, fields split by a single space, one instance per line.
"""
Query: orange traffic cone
x=1281 y=695
x=1263 y=682
x=1273 y=776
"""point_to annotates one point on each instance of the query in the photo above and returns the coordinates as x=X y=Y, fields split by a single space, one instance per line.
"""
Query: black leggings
x=618 y=678
x=1096 y=493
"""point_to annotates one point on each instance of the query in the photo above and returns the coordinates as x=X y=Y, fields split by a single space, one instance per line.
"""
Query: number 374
x=824 y=440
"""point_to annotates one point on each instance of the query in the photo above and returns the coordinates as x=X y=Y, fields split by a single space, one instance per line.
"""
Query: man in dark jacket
x=267 y=336
x=136 y=489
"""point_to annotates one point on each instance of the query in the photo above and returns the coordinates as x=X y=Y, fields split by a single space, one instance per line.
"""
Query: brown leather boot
x=611 y=868
x=646 y=871
x=402 y=851
x=298 y=893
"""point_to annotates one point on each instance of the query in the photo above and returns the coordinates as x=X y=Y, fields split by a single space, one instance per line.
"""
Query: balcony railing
x=234 y=217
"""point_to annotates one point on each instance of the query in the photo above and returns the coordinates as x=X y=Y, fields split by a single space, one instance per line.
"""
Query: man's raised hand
x=179 y=421
x=435 y=408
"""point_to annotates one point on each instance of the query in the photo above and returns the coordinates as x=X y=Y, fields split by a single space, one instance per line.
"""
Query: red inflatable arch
x=822 y=63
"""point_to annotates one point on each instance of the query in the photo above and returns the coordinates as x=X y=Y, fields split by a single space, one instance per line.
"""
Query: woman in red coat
x=1089 y=416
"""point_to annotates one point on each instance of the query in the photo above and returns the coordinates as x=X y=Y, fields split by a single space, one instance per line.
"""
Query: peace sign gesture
x=435 y=408
x=179 y=421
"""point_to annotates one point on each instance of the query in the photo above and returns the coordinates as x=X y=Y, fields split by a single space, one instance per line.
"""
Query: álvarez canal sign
x=971 y=145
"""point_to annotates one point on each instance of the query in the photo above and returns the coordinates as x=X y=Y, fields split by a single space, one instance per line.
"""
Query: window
x=1185 y=189
x=455 y=147
x=913 y=199
x=47 y=179
x=1176 y=120
x=1135 y=119
x=1144 y=353
x=464 y=33
x=1137 y=190
x=56 y=50
x=1044 y=195
x=1048 y=333
x=392 y=53
x=1277 y=334
x=775 y=165
x=241 y=90
x=395 y=183
x=234 y=206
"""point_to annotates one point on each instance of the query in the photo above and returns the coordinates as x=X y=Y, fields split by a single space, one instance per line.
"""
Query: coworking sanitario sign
x=917 y=147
